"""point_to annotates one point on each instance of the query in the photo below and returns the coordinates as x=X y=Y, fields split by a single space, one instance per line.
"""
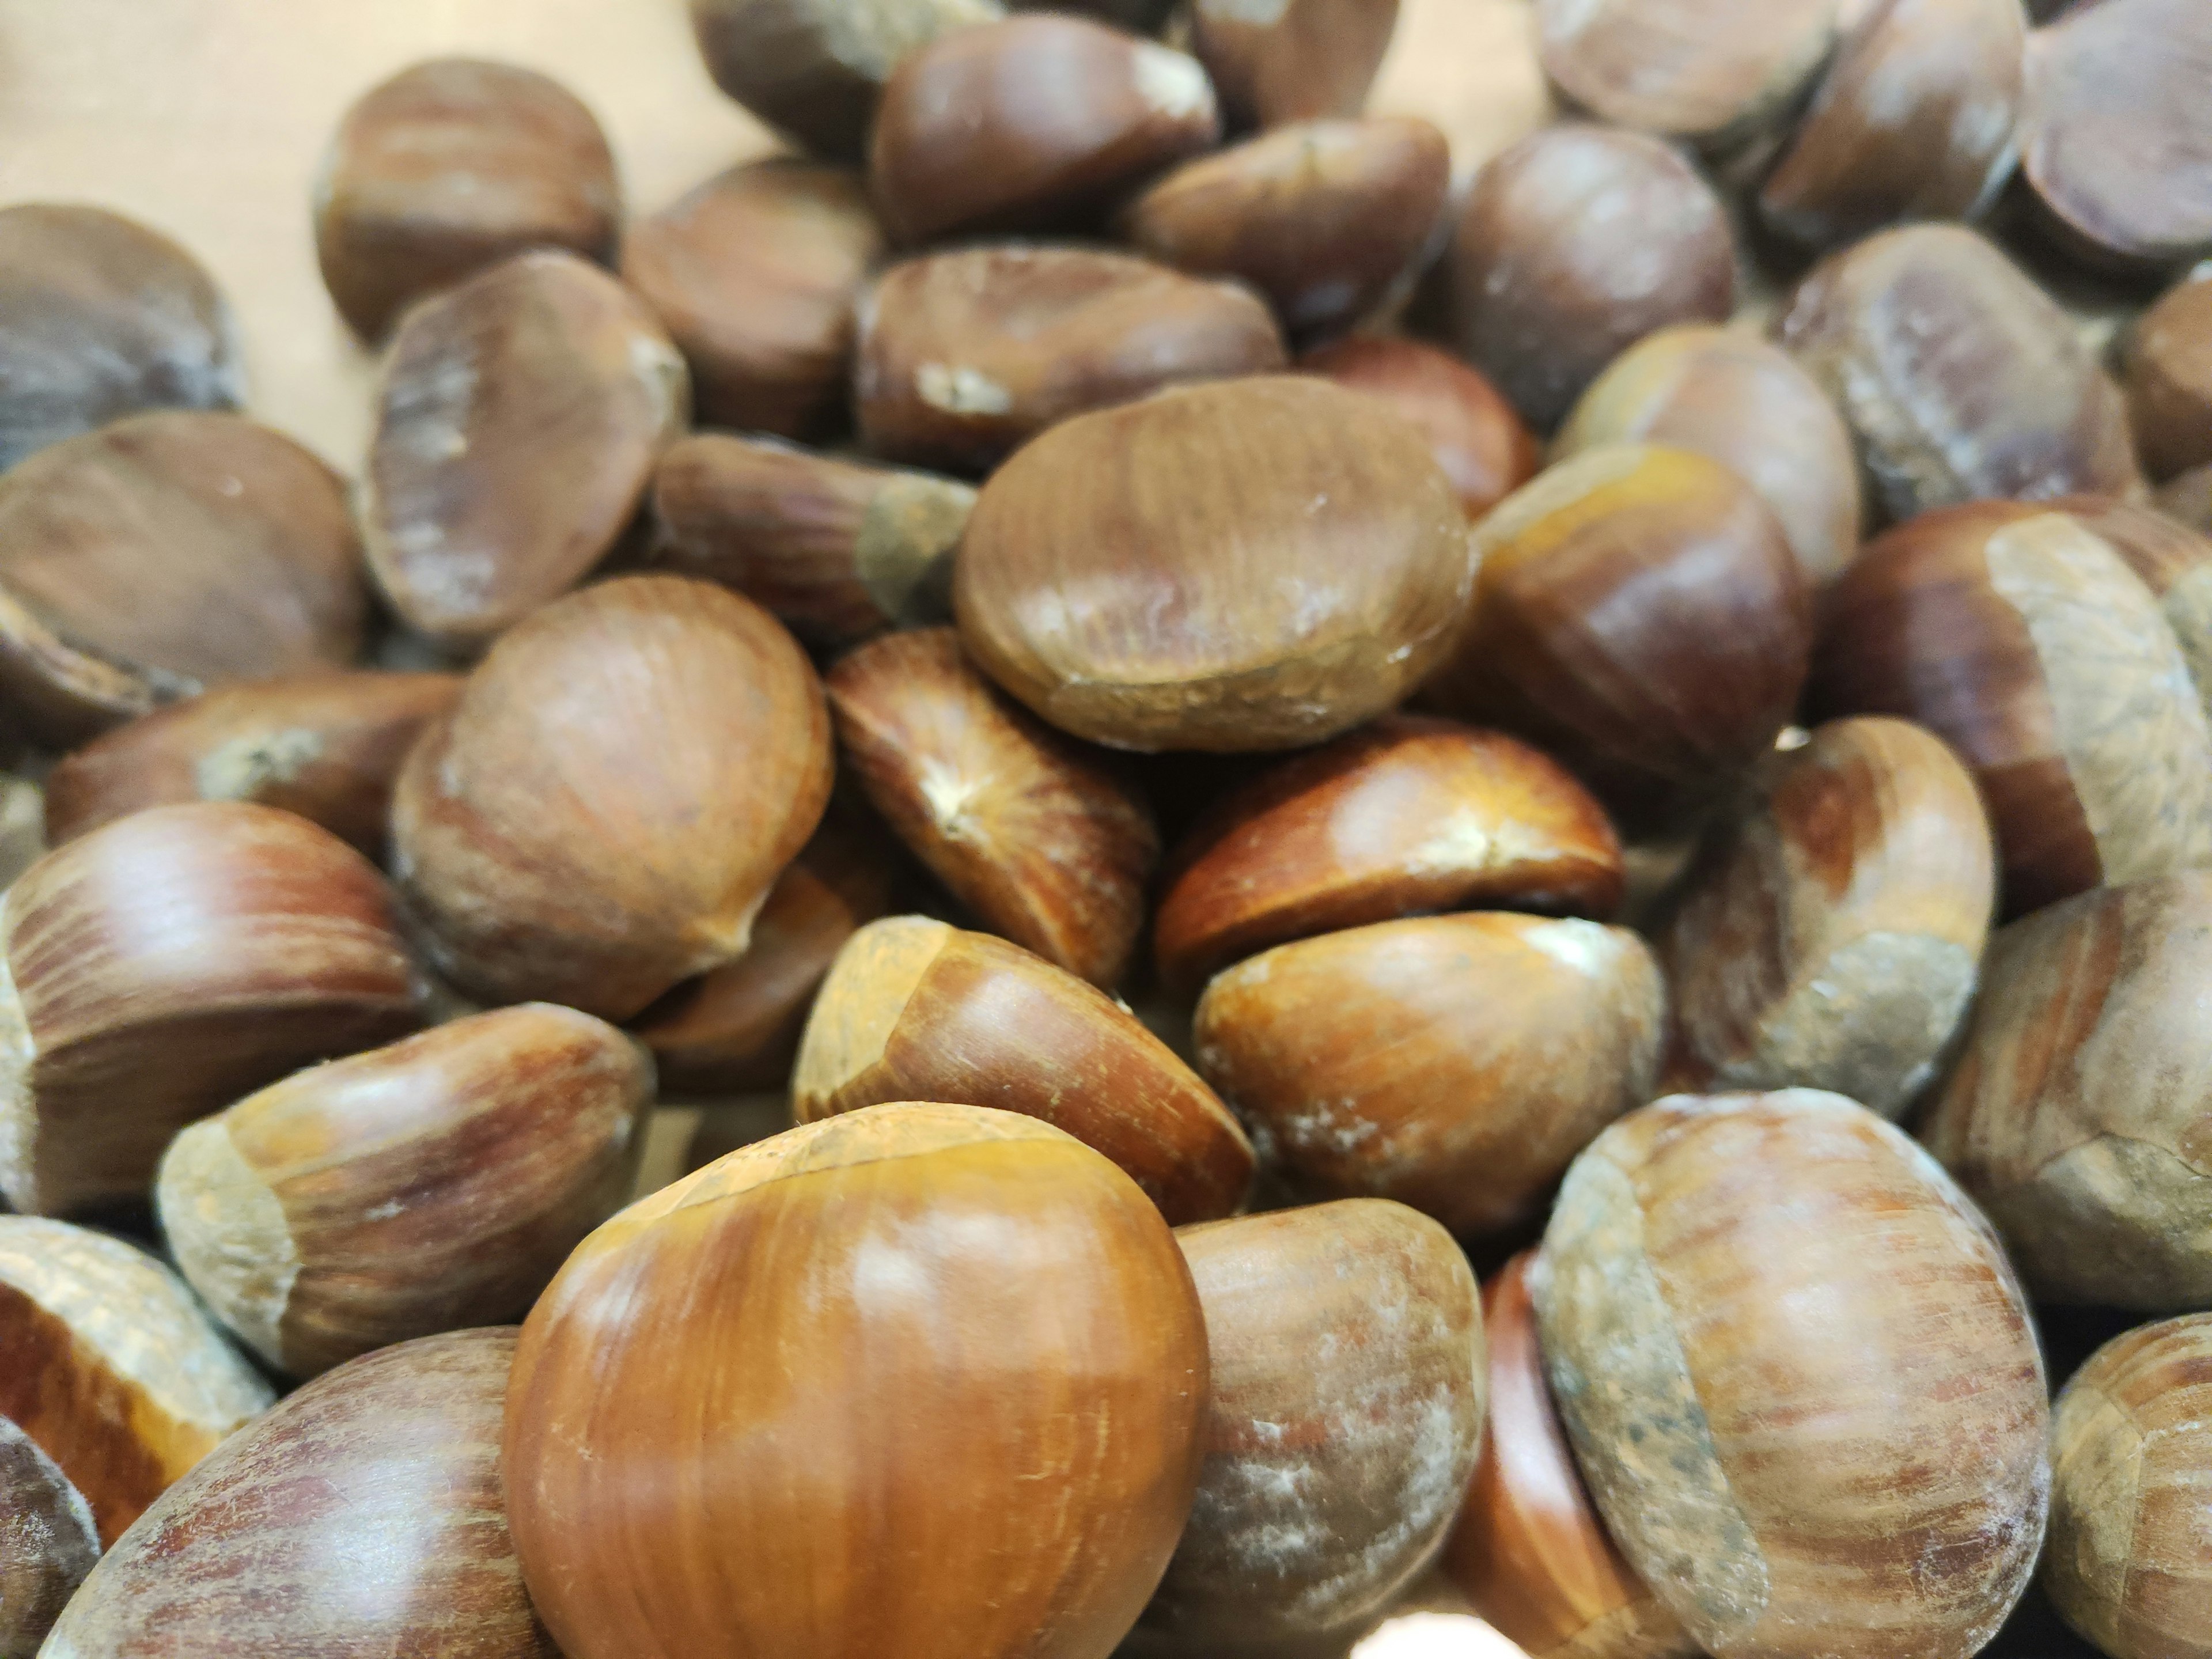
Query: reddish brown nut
x=1475 y=436
x=1731 y=396
x=1347 y=1361
x=1914 y=119
x=1456 y=1064
x=815 y=69
x=1037 y=122
x=163 y=552
x=48 y=1546
x=837 y=550
x=915 y=1009
x=1830 y=932
x=517 y=422
x=1329 y=219
x=1572 y=246
x=432 y=1185
x=606 y=809
x=1639 y=615
x=451 y=166
x=1797 y=1369
x=2115 y=140
x=1275 y=61
x=365 y=1516
x=2174 y=561
x=167 y=964
x=1405 y=815
x=2019 y=636
x=735 y=1029
x=99 y=318
x=754 y=275
x=2170 y=382
x=112 y=1370
x=1047 y=842
x=964 y=355
x=1713 y=72
x=1262 y=564
x=2013 y=405
x=325 y=746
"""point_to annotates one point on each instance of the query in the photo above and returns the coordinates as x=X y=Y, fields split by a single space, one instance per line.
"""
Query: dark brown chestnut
x=2169 y=380
x=1478 y=437
x=1276 y=61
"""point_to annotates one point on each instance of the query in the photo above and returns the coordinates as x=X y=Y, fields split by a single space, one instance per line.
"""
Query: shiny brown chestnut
x=99 y=318
x=2169 y=380
x=1037 y=123
x=519 y=416
x=754 y=274
x=1407 y=814
x=2019 y=636
x=965 y=354
x=48 y=1546
x=165 y=965
x=1573 y=245
x=1292 y=60
x=325 y=746
x=604 y=812
x=1346 y=1360
x=1474 y=435
x=451 y=166
x=365 y=1516
x=1046 y=840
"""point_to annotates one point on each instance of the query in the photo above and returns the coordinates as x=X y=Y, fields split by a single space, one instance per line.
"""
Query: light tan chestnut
x=1292 y=60
x=1830 y=932
x=2172 y=559
x=1046 y=841
x=48 y=1545
x=164 y=965
x=1456 y=1064
x=519 y=416
x=1264 y=563
x=2129 y=1438
x=1761 y=1316
x=364 y=1517
x=1475 y=436
x=606 y=809
x=429 y=1186
x=113 y=1371
x=1347 y=1371
x=915 y=1009
x=964 y=355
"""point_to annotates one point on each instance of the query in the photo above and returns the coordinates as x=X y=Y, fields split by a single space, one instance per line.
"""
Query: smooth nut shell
x=1714 y=71
x=48 y=1546
x=1474 y=435
x=1264 y=563
x=1292 y=60
x=2169 y=379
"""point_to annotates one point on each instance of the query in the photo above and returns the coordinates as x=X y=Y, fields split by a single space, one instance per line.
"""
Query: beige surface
x=206 y=118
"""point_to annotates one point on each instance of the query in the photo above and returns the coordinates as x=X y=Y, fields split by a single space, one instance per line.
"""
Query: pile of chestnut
x=1635 y=723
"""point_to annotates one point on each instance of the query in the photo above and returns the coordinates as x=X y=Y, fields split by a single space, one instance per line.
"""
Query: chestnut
x=1474 y=435
x=166 y=963
x=2174 y=561
x=451 y=166
x=1328 y=219
x=2187 y=500
x=1345 y=1358
x=1574 y=244
x=423 y=1186
x=1798 y=1375
x=2169 y=380
x=2014 y=403
x=914 y=1009
x=364 y=1517
x=1456 y=1064
x=113 y=1371
x=1406 y=814
x=754 y=274
x=603 y=813
x=789 y=1308
x=1746 y=404
x=519 y=416
x=1530 y=1550
x=1914 y=119
x=2129 y=1438
x=48 y=1546
x=1292 y=60
x=1639 y=613
x=1262 y=564
x=963 y=355
x=325 y=746
x=99 y=318
x=1039 y=122
x=166 y=552
x=1830 y=932
x=2080 y=1095
x=2019 y=636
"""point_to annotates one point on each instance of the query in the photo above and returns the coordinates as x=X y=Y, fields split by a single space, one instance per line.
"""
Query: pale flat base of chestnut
x=230 y=1238
x=19 y=1115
